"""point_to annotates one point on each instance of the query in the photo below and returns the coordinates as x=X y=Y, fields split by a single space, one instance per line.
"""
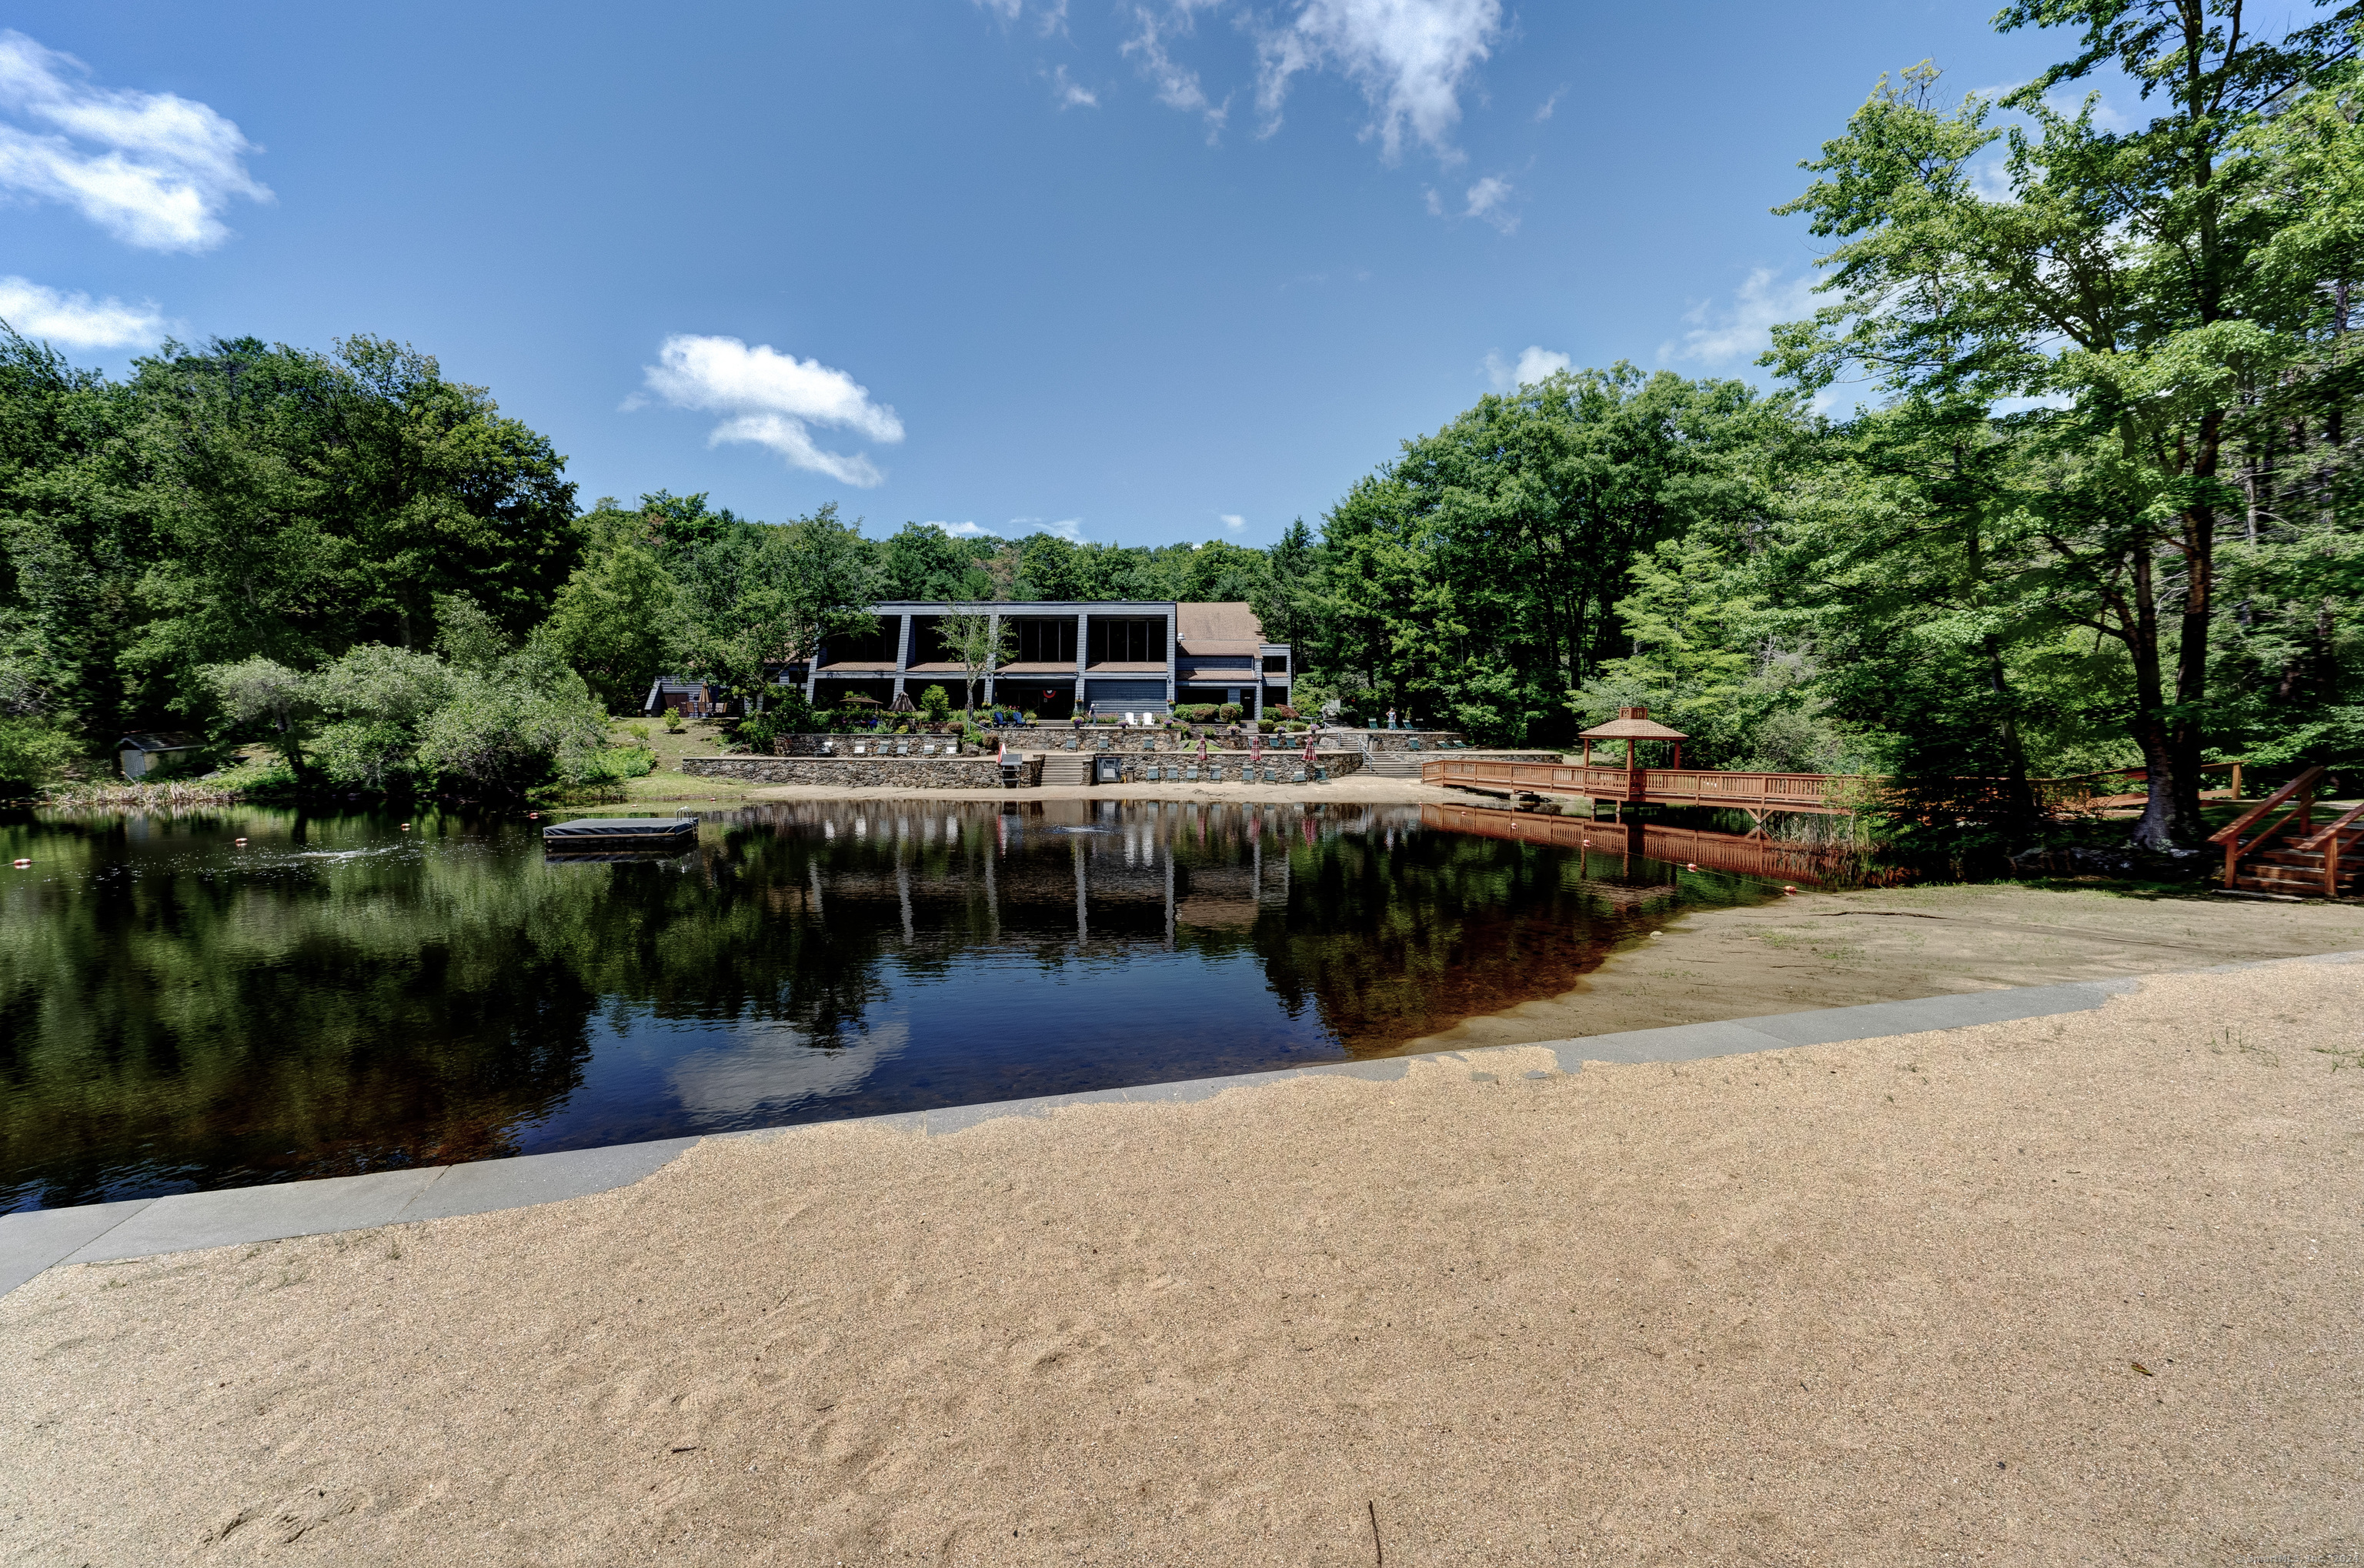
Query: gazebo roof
x=1631 y=724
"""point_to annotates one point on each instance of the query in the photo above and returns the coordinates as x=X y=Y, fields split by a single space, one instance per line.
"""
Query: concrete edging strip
x=105 y=1232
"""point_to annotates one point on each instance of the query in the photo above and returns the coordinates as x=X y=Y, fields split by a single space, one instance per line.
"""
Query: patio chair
x=1272 y=775
x=1150 y=775
x=858 y=749
x=1413 y=744
x=1128 y=721
x=1075 y=745
x=1298 y=777
x=1190 y=775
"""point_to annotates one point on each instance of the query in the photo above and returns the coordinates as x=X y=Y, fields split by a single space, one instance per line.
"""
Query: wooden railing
x=2300 y=789
x=2327 y=841
x=1826 y=794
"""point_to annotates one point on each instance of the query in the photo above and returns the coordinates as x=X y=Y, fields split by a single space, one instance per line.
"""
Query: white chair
x=858 y=749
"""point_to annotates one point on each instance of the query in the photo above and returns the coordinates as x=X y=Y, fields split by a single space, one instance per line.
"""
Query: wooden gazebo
x=1631 y=724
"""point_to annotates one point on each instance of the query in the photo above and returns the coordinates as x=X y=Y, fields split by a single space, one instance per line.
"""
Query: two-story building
x=1133 y=656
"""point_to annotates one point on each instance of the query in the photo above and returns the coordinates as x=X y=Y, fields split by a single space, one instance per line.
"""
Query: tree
x=616 y=623
x=981 y=642
x=2116 y=283
x=264 y=690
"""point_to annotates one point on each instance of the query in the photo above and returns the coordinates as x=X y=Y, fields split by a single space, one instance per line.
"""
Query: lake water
x=182 y=1011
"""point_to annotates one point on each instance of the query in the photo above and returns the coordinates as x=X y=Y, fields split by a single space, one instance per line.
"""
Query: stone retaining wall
x=860 y=773
x=1040 y=738
x=981 y=773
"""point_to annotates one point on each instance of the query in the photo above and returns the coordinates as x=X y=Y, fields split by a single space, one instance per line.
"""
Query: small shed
x=1633 y=724
x=155 y=751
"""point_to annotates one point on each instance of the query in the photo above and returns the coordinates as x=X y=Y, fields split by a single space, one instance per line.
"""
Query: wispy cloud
x=1487 y=200
x=1071 y=528
x=1178 y=85
x=1743 y=329
x=1543 y=110
x=1410 y=58
x=1049 y=17
x=771 y=399
x=1232 y=520
x=1070 y=95
x=151 y=169
x=1535 y=363
x=960 y=530
x=76 y=320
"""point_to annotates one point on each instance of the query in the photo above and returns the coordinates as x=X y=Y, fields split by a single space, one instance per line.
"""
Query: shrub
x=674 y=725
x=1284 y=711
x=1196 y=712
x=937 y=702
x=1231 y=713
x=32 y=751
x=638 y=732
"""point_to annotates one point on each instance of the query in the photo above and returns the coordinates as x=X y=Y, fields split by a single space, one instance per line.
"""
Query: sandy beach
x=2072 y=1290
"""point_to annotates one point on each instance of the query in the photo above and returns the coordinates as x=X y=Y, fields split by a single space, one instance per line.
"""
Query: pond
x=217 y=998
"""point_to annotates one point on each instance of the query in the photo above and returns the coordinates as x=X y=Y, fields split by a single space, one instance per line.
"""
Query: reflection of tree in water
x=340 y=997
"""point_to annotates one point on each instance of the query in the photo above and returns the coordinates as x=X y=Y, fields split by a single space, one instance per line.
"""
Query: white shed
x=155 y=751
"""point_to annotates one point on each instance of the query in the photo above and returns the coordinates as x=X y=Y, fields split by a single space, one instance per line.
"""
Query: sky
x=1157 y=270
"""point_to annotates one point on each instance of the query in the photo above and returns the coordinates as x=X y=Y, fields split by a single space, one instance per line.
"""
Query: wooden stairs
x=1065 y=768
x=2294 y=858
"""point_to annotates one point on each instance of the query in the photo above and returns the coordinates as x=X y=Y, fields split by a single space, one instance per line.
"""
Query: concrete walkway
x=32 y=1242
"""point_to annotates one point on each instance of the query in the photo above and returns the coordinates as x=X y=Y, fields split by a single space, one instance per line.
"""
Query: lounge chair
x=858 y=749
x=1190 y=775
x=1076 y=744
x=1150 y=775
x=1297 y=777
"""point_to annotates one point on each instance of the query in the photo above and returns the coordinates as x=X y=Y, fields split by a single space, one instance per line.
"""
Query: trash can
x=1108 y=770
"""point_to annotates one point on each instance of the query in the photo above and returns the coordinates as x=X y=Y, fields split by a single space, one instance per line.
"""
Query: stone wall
x=1402 y=739
x=1046 y=737
x=861 y=772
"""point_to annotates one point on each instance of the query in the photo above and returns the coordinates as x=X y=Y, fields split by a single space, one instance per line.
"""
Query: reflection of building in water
x=1082 y=871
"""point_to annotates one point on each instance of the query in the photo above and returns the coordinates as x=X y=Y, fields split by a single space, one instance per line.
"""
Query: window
x=1129 y=642
x=1276 y=664
x=1046 y=642
x=876 y=647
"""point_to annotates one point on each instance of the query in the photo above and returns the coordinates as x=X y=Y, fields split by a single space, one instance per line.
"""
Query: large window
x=874 y=647
x=1127 y=641
x=1046 y=642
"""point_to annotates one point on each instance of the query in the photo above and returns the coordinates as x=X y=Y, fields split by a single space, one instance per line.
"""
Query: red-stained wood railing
x=2300 y=789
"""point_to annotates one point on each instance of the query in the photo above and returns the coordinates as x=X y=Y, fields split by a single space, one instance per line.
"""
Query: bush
x=1231 y=713
x=32 y=752
x=937 y=702
x=1284 y=711
x=1197 y=712
x=674 y=725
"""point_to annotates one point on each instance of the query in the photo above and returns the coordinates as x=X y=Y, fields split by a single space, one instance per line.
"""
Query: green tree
x=616 y=623
x=2118 y=281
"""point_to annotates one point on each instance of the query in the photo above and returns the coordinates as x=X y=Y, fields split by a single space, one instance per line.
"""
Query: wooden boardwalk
x=1820 y=795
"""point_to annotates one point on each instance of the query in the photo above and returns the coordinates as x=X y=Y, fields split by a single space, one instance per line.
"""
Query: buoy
x=1789 y=889
x=530 y=815
x=405 y=826
x=237 y=841
x=1691 y=865
x=22 y=864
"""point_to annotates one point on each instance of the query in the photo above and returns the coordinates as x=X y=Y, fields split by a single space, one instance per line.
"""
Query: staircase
x=2294 y=858
x=1394 y=764
x=1066 y=768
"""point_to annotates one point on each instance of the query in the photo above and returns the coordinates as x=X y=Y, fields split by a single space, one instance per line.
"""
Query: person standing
x=1391 y=718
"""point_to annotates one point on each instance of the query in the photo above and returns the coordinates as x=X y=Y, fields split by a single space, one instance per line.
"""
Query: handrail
x=2305 y=781
x=2336 y=829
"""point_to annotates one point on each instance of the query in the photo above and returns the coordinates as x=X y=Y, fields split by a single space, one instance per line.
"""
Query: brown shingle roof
x=1230 y=627
x=1631 y=724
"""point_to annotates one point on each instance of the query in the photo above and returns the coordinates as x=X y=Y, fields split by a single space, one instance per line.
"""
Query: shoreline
x=1835 y=1303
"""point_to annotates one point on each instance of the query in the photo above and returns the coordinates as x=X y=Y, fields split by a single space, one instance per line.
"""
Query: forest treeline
x=2060 y=476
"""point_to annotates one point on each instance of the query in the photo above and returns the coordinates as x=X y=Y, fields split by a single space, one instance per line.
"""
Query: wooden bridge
x=1820 y=795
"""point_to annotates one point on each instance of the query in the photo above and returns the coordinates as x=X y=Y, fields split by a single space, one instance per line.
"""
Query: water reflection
x=178 y=1010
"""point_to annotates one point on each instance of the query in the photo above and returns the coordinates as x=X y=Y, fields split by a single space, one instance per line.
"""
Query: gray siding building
x=1104 y=657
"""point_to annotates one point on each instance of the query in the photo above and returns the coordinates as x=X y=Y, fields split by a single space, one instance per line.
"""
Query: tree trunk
x=2169 y=820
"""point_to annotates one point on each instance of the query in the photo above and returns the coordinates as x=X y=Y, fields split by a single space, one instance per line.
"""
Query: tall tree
x=2115 y=281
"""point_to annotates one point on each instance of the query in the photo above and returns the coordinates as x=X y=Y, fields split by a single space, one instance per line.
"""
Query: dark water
x=179 y=1012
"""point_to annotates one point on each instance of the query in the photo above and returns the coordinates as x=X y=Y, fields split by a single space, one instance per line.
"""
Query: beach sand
x=2082 y=1289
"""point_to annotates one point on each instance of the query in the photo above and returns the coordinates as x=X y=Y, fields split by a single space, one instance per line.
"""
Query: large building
x=1136 y=657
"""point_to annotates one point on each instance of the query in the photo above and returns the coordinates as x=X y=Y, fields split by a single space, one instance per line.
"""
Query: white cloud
x=1070 y=528
x=960 y=530
x=1410 y=57
x=771 y=397
x=151 y=169
x=1487 y=200
x=1178 y=84
x=1535 y=363
x=76 y=320
x=1746 y=329
x=1053 y=20
x=1232 y=520
x=1543 y=110
x=1070 y=95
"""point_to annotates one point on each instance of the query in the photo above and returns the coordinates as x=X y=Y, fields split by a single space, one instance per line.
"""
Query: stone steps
x=1066 y=768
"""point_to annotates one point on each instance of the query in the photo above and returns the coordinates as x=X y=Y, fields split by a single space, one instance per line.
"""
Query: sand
x=1840 y=950
x=2081 y=1289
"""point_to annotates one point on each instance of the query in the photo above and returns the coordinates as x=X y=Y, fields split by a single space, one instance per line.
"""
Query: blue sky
x=1143 y=272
